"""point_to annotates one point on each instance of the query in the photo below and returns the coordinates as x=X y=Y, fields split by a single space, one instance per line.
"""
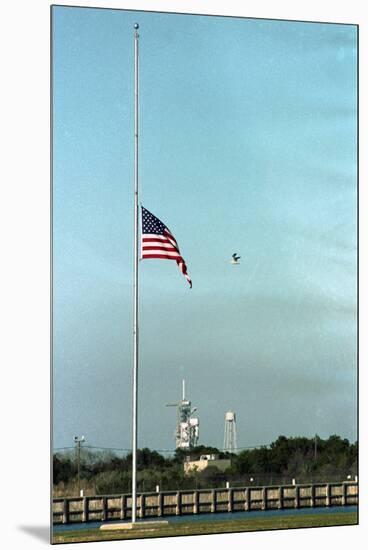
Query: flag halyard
x=159 y=243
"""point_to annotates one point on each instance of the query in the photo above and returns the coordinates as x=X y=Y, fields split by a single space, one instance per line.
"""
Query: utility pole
x=78 y=441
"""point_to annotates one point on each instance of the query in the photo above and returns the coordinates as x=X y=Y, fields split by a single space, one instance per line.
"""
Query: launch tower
x=187 y=426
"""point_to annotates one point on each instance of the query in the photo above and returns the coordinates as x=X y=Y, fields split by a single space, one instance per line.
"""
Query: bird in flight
x=235 y=258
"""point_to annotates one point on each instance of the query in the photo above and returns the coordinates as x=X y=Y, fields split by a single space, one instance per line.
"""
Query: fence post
x=143 y=506
x=85 y=515
x=213 y=500
x=247 y=503
x=343 y=495
x=65 y=511
x=196 y=502
x=264 y=498
x=123 y=507
x=281 y=498
x=178 y=503
x=297 y=495
x=160 y=502
x=104 y=509
x=230 y=500
x=313 y=496
x=328 y=494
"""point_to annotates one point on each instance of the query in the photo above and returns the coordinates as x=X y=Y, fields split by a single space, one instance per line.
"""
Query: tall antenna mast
x=135 y=284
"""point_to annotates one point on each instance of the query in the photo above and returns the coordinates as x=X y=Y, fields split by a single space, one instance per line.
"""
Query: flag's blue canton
x=151 y=224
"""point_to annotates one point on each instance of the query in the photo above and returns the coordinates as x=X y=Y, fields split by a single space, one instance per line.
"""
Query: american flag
x=159 y=242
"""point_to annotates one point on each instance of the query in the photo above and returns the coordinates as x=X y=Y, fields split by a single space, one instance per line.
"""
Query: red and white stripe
x=163 y=247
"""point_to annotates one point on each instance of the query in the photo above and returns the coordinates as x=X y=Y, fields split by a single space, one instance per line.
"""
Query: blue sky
x=247 y=144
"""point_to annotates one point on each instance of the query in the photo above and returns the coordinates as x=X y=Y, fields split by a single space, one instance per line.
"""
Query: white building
x=204 y=461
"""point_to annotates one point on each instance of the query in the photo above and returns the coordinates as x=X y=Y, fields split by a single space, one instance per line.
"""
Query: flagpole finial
x=136 y=26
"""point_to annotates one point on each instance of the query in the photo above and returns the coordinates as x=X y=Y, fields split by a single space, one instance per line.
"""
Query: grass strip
x=212 y=527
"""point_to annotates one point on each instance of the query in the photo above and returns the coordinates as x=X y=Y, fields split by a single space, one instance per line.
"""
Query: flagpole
x=135 y=284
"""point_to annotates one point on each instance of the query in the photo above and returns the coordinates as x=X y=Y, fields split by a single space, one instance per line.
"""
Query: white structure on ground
x=230 y=444
x=187 y=426
x=204 y=461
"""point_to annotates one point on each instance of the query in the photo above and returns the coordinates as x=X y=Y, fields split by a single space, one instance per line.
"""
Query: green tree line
x=301 y=458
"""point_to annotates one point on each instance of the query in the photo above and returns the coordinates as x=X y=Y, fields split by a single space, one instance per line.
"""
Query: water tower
x=187 y=426
x=230 y=432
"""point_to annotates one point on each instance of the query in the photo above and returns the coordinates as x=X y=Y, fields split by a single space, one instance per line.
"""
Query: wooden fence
x=167 y=503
